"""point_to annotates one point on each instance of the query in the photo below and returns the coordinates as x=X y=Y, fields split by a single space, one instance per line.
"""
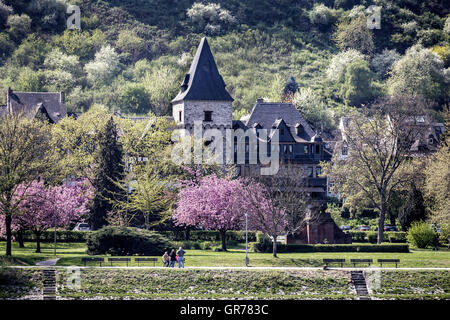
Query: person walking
x=173 y=258
x=180 y=254
x=165 y=259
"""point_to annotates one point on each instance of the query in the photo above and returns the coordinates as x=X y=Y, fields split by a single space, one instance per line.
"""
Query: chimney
x=260 y=100
x=62 y=97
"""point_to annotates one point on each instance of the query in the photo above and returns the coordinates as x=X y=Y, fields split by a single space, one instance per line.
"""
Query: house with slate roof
x=49 y=106
x=203 y=97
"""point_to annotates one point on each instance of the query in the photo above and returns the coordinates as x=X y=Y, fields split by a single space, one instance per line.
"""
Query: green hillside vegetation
x=132 y=54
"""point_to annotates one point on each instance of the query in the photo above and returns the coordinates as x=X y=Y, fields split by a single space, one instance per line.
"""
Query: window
x=282 y=132
x=290 y=148
x=317 y=148
x=344 y=150
x=208 y=116
x=318 y=171
x=285 y=148
x=309 y=171
x=305 y=149
x=180 y=116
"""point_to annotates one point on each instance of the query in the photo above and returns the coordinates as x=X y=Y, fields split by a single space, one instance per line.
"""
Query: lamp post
x=246 y=239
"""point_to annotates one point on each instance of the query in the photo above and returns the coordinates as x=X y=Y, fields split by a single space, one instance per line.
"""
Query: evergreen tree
x=414 y=208
x=290 y=89
x=109 y=171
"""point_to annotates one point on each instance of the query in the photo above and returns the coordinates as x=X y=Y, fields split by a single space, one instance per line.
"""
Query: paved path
x=234 y=268
x=47 y=263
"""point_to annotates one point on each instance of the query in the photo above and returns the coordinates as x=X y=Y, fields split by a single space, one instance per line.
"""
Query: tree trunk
x=187 y=234
x=8 y=220
x=20 y=239
x=274 y=246
x=224 y=239
x=381 y=219
x=38 y=242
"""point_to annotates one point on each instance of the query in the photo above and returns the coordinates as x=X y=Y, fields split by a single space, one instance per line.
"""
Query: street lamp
x=246 y=239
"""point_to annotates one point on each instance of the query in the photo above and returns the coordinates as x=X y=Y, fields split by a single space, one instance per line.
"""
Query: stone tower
x=203 y=96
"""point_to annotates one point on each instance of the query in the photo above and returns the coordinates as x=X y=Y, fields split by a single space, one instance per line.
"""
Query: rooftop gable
x=203 y=82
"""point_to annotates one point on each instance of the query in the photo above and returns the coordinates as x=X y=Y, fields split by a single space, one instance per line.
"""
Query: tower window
x=208 y=116
x=180 y=116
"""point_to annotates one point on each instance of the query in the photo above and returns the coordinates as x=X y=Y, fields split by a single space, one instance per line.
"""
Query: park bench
x=146 y=260
x=328 y=261
x=119 y=260
x=356 y=261
x=100 y=260
x=396 y=261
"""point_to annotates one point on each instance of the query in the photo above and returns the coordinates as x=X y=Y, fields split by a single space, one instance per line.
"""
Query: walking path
x=47 y=263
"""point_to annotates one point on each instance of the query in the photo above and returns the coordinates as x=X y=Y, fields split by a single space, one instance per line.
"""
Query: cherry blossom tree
x=265 y=212
x=42 y=207
x=212 y=203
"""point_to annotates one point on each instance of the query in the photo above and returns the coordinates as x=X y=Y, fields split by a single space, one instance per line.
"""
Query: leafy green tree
x=25 y=155
x=414 y=208
x=162 y=85
x=134 y=98
x=130 y=44
x=50 y=15
x=19 y=26
x=358 y=87
x=109 y=170
x=419 y=72
x=31 y=52
x=355 y=35
x=5 y=11
x=378 y=141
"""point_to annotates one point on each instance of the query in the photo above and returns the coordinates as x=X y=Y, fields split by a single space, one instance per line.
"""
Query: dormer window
x=430 y=140
x=298 y=129
x=208 y=116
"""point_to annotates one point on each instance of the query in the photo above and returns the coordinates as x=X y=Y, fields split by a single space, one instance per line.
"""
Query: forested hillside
x=132 y=54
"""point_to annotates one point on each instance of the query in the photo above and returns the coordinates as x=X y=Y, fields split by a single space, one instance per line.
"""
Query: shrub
x=336 y=248
x=127 y=241
x=372 y=236
x=396 y=237
x=421 y=235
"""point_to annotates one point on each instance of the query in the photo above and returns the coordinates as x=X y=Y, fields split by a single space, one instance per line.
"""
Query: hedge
x=292 y=248
x=372 y=236
x=123 y=241
x=209 y=235
x=48 y=236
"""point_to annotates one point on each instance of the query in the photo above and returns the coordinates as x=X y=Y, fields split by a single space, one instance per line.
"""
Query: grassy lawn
x=71 y=254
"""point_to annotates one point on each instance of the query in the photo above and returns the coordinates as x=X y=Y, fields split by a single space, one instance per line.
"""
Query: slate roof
x=30 y=103
x=203 y=82
x=268 y=113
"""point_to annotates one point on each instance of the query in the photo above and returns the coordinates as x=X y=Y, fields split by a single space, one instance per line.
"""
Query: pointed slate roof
x=203 y=82
x=266 y=113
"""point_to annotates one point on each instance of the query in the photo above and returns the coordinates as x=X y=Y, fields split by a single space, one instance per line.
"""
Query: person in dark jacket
x=173 y=258
x=180 y=254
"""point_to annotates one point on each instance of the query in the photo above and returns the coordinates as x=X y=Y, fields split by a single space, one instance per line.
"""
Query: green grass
x=71 y=254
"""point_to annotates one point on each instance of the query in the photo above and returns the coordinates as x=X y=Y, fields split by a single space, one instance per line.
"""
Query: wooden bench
x=146 y=260
x=355 y=261
x=328 y=261
x=100 y=260
x=396 y=261
x=119 y=260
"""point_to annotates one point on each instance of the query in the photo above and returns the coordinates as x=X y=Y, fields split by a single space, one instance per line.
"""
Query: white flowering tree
x=104 y=67
x=419 y=72
x=382 y=62
x=339 y=62
x=210 y=17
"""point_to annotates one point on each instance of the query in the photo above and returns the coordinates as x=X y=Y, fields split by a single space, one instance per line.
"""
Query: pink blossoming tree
x=211 y=203
x=42 y=207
